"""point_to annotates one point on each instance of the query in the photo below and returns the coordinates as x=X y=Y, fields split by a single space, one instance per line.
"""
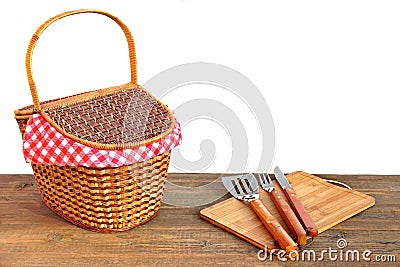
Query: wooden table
x=32 y=235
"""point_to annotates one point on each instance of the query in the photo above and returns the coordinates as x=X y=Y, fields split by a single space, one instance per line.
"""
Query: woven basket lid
x=113 y=118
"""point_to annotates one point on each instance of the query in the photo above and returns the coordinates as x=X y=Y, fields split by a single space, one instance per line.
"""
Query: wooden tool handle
x=274 y=228
x=301 y=212
x=289 y=217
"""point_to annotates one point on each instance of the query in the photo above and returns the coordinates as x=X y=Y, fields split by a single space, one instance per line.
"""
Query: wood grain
x=289 y=217
x=301 y=212
x=273 y=227
x=32 y=235
x=326 y=204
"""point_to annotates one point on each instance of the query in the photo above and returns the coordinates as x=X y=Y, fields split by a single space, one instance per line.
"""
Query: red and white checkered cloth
x=43 y=144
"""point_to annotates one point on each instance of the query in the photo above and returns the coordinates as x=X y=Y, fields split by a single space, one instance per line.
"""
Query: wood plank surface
x=32 y=235
x=326 y=203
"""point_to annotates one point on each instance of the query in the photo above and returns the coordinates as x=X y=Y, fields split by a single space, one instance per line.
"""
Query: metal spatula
x=245 y=187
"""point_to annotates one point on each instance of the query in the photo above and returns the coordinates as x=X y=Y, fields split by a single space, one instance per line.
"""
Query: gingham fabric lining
x=43 y=144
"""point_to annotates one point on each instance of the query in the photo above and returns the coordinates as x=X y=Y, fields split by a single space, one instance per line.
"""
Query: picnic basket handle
x=39 y=31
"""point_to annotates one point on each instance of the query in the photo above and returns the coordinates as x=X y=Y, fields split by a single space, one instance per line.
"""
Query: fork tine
x=268 y=184
x=260 y=178
x=269 y=180
x=266 y=178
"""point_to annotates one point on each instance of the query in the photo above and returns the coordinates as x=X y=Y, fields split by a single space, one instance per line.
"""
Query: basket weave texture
x=125 y=116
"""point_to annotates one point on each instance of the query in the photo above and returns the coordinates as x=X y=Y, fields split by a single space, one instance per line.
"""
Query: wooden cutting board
x=326 y=203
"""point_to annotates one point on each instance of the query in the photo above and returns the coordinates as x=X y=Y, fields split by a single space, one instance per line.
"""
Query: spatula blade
x=243 y=187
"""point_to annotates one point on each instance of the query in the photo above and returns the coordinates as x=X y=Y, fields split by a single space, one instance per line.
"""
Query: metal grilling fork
x=245 y=187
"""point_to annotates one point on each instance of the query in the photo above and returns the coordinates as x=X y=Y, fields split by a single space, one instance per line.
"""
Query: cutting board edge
x=235 y=233
x=371 y=204
x=216 y=205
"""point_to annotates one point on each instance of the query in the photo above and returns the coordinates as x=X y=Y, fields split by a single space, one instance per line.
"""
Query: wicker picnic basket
x=120 y=118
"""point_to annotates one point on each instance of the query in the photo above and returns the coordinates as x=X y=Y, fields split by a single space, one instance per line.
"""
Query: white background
x=329 y=70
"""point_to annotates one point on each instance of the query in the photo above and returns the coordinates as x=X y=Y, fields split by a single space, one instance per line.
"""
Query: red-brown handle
x=289 y=217
x=274 y=228
x=301 y=212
